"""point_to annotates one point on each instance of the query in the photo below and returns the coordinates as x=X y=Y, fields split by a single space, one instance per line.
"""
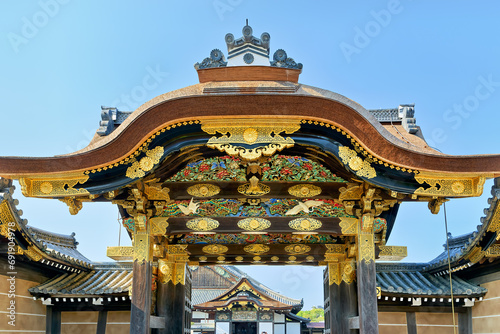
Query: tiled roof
x=56 y=250
x=106 y=279
x=279 y=297
x=460 y=246
x=409 y=279
x=200 y=296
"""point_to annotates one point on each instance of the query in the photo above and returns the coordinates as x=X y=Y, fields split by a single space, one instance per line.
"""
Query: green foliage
x=316 y=314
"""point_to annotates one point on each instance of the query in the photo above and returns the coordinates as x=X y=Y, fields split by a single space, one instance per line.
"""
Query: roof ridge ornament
x=248 y=50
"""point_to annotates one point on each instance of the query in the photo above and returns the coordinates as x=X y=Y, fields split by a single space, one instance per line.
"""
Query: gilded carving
x=176 y=249
x=297 y=249
x=191 y=208
x=254 y=188
x=215 y=249
x=166 y=270
x=306 y=207
x=476 y=254
x=309 y=258
x=202 y=224
x=254 y=224
x=335 y=249
x=367 y=222
x=157 y=193
x=446 y=186
x=257 y=258
x=349 y=271
x=6 y=219
x=256 y=249
x=494 y=225
x=120 y=253
x=73 y=204
x=392 y=253
x=493 y=251
x=159 y=225
x=361 y=168
x=239 y=258
x=203 y=190
x=238 y=133
x=275 y=258
x=349 y=226
x=53 y=187
x=139 y=168
x=305 y=224
x=304 y=190
x=32 y=254
x=366 y=248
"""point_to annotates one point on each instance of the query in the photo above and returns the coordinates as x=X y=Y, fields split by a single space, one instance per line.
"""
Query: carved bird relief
x=307 y=207
x=191 y=208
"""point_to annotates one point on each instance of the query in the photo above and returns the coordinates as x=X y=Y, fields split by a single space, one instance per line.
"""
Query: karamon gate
x=251 y=167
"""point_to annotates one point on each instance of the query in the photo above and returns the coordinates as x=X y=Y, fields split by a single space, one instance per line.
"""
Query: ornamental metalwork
x=254 y=224
x=304 y=190
x=120 y=253
x=349 y=226
x=297 y=249
x=256 y=249
x=445 y=186
x=392 y=253
x=494 y=225
x=361 y=168
x=139 y=168
x=203 y=190
x=238 y=134
x=53 y=187
x=366 y=248
x=215 y=249
x=254 y=188
x=158 y=226
x=202 y=224
x=305 y=224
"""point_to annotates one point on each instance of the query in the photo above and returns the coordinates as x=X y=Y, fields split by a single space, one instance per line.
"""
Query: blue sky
x=61 y=60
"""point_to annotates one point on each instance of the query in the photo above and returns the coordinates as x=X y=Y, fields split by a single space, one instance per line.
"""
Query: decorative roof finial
x=248 y=50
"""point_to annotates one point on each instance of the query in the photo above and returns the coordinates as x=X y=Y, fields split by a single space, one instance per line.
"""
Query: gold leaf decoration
x=275 y=258
x=304 y=190
x=361 y=168
x=366 y=248
x=253 y=188
x=254 y=224
x=264 y=134
x=297 y=249
x=305 y=224
x=445 y=186
x=203 y=190
x=202 y=224
x=349 y=226
x=139 y=168
x=120 y=253
x=392 y=253
x=53 y=187
x=256 y=249
x=159 y=225
x=239 y=258
x=215 y=249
